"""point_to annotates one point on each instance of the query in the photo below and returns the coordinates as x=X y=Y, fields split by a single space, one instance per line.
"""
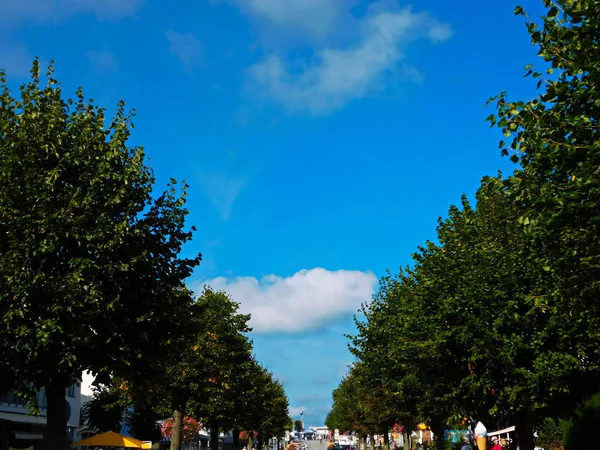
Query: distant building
x=321 y=432
x=18 y=429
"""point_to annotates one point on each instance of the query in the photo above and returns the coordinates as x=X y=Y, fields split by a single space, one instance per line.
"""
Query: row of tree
x=499 y=318
x=208 y=379
x=92 y=277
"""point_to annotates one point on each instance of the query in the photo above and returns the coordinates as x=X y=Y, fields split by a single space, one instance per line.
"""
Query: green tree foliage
x=579 y=433
x=104 y=412
x=556 y=140
x=550 y=434
x=464 y=333
x=262 y=405
x=90 y=273
x=272 y=407
x=382 y=379
x=346 y=412
x=298 y=425
x=499 y=318
x=203 y=365
x=143 y=422
x=289 y=424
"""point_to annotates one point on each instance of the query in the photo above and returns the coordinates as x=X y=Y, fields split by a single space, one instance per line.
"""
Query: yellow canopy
x=109 y=439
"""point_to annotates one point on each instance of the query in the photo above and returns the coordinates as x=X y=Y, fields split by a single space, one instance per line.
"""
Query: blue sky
x=321 y=138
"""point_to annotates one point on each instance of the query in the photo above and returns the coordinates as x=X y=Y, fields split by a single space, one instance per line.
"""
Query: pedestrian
x=466 y=445
x=496 y=443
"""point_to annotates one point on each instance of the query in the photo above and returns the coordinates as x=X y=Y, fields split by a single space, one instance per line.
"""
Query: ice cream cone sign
x=481 y=436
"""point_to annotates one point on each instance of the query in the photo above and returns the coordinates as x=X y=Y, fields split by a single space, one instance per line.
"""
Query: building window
x=71 y=391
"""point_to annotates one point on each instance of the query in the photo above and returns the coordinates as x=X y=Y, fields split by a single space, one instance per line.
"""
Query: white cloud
x=186 y=47
x=311 y=18
x=102 y=62
x=221 y=190
x=335 y=76
x=55 y=10
x=306 y=300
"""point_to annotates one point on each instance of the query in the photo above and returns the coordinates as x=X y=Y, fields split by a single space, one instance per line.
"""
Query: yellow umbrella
x=109 y=439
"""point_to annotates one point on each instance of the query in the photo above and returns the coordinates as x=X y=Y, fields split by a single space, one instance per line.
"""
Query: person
x=496 y=443
x=466 y=445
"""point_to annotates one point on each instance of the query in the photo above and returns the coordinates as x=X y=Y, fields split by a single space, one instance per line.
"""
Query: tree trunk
x=524 y=430
x=250 y=440
x=437 y=428
x=55 y=434
x=406 y=439
x=386 y=440
x=236 y=439
x=372 y=441
x=214 y=436
x=177 y=431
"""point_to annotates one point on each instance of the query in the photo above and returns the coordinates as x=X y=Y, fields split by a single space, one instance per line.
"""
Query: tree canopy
x=90 y=260
x=498 y=317
x=91 y=278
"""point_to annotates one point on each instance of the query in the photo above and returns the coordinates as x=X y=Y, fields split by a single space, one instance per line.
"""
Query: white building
x=18 y=429
x=321 y=432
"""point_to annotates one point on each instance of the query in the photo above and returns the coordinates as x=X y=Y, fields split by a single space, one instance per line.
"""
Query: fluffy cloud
x=335 y=76
x=306 y=300
x=55 y=10
x=312 y=18
x=186 y=47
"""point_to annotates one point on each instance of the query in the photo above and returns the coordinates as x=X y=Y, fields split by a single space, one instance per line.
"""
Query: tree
x=223 y=360
x=289 y=425
x=104 y=412
x=550 y=434
x=576 y=434
x=298 y=426
x=273 y=405
x=554 y=138
x=345 y=412
x=190 y=428
x=263 y=406
x=463 y=332
x=90 y=272
x=392 y=391
x=143 y=422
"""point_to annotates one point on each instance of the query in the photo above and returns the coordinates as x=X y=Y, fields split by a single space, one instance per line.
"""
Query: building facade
x=321 y=432
x=21 y=430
